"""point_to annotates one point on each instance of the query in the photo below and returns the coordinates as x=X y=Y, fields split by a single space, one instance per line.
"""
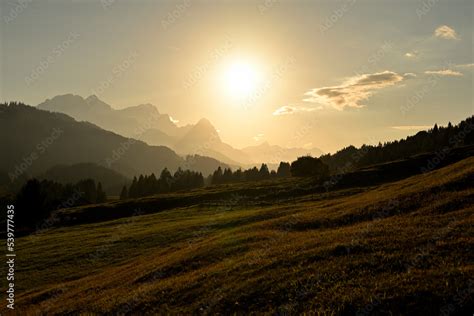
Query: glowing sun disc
x=241 y=79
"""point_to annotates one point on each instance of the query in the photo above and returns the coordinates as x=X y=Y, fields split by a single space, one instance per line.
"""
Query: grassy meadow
x=404 y=247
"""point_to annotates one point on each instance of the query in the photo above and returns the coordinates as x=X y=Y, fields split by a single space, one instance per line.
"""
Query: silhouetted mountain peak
x=71 y=102
x=205 y=123
x=202 y=132
x=204 y=127
x=146 y=107
x=68 y=97
x=95 y=102
x=92 y=97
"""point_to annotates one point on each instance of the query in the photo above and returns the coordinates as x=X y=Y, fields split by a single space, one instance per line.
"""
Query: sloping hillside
x=111 y=180
x=404 y=247
x=34 y=141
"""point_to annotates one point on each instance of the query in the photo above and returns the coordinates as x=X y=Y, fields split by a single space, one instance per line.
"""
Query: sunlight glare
x=241 y=79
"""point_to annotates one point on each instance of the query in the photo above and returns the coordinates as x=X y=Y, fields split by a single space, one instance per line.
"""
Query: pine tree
x=165 y=180
x=217 y=176
x=227 y=175
x=100 y=196
x=124 y=193
x=263 y=173
x=132 y=192
x=284 y=170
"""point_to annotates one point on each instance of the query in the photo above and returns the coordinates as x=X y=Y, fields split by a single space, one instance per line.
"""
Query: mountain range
x=146 y=123
x=35 y=140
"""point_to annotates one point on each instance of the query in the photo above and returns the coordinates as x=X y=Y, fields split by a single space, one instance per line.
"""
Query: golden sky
x=320 y=74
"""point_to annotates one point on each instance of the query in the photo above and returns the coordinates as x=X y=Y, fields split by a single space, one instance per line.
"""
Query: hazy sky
x=296 y=73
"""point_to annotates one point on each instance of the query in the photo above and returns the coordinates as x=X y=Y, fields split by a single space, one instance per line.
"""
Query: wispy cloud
x=173 y=120
x=411 y=54
x=411 y=127
x=409 y=75
x=289 y=109
x=471 y=65
x=444 y=72
x=446 y=32
x=258 y=137
x=354 y=90
x=284 y=110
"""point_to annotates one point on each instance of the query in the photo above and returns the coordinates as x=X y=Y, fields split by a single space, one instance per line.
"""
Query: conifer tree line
x=305 y=166
x=186 y=179
x=148 y=185
x=37 y=199
x=252 y=174
x=433 y=140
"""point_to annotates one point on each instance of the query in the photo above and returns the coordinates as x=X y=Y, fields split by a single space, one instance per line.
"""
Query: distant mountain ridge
x=274 y=153
x=35 y=140
x=203 y=138
x=146 y=123
x=130 y=121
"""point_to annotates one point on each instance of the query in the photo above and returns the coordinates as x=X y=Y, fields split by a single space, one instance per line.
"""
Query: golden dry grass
x=404 y=247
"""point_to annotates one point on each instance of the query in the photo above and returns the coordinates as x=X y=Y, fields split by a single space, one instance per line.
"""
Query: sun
x=241 y=79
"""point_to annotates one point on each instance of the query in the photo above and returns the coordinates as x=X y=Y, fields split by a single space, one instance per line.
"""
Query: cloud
x=471 y=65
x=284 y=110
x=258 y=137
x=173 y=120
x=444 y=72
x=412 y=54
x=411 y=127
x=354 y=90
x=446 y=32
x=288 y=109
x=409 y=75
